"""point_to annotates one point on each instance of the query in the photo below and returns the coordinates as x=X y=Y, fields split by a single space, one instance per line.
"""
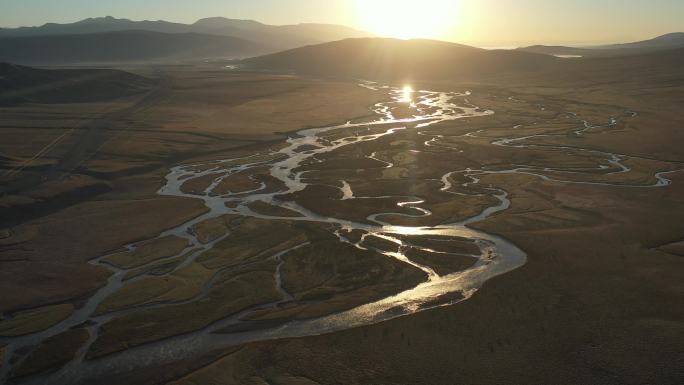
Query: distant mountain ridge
x=106 y=40
x=279 y=37
x=125 y=46
x=665 y=42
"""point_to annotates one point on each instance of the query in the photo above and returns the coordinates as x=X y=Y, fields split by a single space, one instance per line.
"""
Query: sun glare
x=409 y=19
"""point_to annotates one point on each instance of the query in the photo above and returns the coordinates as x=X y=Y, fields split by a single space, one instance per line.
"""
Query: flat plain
x=589 y=161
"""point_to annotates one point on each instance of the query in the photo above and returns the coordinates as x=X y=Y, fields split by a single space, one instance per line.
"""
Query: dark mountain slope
x=668 y=41
x=665 y=42
x=378 y=58
x=96 y=25
x=124 y=46
x=277 y=37
x=661 y=67
x=19 y=84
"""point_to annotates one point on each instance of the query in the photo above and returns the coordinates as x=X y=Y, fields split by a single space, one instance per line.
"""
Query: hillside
x=124 y=46
x=282 y=37
x=664 y=42
x=557 y=50
x=661 y=67
x=380 y=58
x=19 y=84
x=668 y=41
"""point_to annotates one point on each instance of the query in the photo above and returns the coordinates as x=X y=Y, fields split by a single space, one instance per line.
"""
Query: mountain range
x=664 y=42
x=125 y=46
x=306 y=48
x=112 y=40
x=278 y=37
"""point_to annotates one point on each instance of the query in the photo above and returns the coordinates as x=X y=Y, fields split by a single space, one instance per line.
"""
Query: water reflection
x=407 y=94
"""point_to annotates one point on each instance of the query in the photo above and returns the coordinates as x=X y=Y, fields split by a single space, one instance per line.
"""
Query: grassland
x=148 y=251
x=176 y=286
x=104 y=162
x=598 y=302
x=86 y=183
x=337 y=276
x=53 y=353
x=34 y=320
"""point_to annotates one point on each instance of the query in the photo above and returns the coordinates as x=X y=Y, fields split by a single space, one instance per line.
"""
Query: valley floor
x=594 y=177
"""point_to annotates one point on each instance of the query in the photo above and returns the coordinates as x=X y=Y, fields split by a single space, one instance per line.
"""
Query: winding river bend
x=497 y=255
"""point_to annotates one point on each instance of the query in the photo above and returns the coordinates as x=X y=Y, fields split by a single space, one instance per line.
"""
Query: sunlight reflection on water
x=407 y=95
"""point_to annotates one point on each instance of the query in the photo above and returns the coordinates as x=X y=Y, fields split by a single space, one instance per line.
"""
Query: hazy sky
x=478 y=22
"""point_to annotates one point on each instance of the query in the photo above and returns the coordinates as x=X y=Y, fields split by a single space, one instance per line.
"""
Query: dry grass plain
x=85 y=183
x=599 y=299
x=597 y=302
x=79 y=180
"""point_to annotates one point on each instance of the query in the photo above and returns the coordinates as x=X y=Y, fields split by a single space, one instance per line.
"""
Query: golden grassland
x=341 y=276
x=148 y=251
x=177 y=286
x=230 y=295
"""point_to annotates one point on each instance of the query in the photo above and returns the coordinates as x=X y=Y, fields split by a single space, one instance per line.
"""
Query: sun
x=409 y=19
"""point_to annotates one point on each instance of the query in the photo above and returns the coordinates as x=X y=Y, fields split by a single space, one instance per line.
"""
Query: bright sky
x=476 y=22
